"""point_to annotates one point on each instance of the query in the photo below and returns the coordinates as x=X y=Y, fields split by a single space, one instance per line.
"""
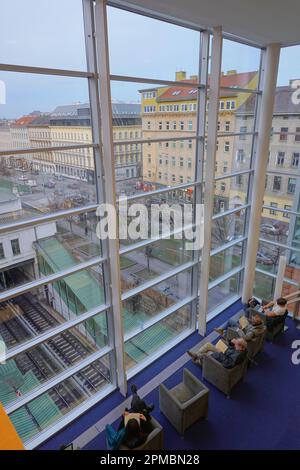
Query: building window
x=227 y=126
x=181 y=161
x=273 y=204
x=277 y=183
x=221 y=105
x=240 y=156
x=167 y=125
x=190 y=125
x=227 y=147
x=1 y=251
x=223 y=187
x=159 y=125
x=239 y=180
x=180 y=179
x=148 y=126
x=15 y=246
x=190 y=144
x=174 y=125
x=181 y=125
x=283 y=134
x=243 y=130
x=287 y=208
x=297 y=136
x=291 y=185
x=173 y=178
x=189 y=164
x=280 y=158
x=227 y=104
x=225 y=167
x=295 y=160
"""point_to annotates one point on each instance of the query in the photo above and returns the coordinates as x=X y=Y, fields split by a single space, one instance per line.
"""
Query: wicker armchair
x=186 y=403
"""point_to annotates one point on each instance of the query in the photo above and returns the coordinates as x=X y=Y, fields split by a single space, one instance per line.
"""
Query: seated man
x=252 y=330
x=234 y=355
x=274 y=312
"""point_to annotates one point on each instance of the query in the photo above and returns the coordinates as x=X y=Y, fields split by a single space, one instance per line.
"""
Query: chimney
x=180 y=75
x=231 y=72
x=194 y=78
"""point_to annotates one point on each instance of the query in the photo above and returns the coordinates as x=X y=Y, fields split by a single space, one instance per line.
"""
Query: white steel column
x=212 y=127
x=261 y=162
x=100 y=37
x=200 y=146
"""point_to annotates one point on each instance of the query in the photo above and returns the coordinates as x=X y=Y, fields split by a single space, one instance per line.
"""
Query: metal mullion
x=224 y=277
x=230 y=211
x=241 y=90
x=157 y=140
x=28 y=286
x=75 y=413
x=101 y=52
x=232 y=175
x=216 y=59
x=42 y=388
x=43 y=219
x=168 y=189
x=281 y=173
x=203 y=62
x=41 y=338
x=274 y=276
x=157 y=280
x=280 y=245
x=153 y=81
x=149 y=241
x=90 y=43
x=278 y=209
x=54 y=148
x=44 y=71
x=234 y=134
x=157 y=318
x=253 y=152
x=224 y=247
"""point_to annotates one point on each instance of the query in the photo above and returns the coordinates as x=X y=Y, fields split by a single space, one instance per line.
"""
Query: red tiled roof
x=24 y=120
x=180 y=93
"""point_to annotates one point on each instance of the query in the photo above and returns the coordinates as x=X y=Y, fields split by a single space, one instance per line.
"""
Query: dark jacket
x=231 y=357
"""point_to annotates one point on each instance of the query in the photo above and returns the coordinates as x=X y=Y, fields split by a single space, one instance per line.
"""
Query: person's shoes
x=133 y=388
x=192 y=355
x=220 y=331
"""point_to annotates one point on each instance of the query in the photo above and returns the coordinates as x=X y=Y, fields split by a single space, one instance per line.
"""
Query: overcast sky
x=49 y=33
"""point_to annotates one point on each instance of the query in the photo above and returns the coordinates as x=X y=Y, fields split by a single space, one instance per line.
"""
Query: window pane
x=49 y=408
x=230 y=193
x=48 y=248
x=140 y=37
x=151 y=340
x=223 y=292
x=139 y=266
x=240 y=58
x=38 y=31
x=228 y=228
x=27 y=371
x=223 y=262
x=44 y=308
x=144 y=306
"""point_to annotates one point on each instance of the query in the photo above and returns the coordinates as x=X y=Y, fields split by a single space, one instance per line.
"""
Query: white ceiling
x=258 y=21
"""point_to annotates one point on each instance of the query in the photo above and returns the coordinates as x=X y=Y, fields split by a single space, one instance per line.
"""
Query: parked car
x=73 y=185
x=49 y=184
x=270 y=229
x=263 y=259
x=31 y=183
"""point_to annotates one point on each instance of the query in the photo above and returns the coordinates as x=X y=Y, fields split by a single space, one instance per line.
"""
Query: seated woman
x=129 y=432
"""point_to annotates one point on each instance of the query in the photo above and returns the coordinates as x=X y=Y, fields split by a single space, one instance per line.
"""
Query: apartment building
x=170 y=112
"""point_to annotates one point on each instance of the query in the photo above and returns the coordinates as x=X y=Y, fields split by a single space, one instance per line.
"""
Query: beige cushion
x=182 y=393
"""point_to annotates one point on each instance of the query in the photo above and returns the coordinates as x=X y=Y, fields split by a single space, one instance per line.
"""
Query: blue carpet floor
x=263 y=413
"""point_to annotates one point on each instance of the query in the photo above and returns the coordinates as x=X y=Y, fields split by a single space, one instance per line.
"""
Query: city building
x=92 y=299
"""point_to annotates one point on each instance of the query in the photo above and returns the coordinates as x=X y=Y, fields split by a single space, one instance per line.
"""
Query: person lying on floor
x=234 y=355
x=252 y=330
